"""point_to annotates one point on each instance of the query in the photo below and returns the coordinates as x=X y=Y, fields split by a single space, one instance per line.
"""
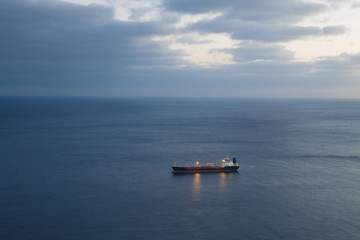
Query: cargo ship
x=226 y=166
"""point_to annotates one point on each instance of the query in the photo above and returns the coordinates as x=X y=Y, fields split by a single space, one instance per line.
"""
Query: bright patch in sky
x=188 y=19
x=204 y=50
x=341 y=13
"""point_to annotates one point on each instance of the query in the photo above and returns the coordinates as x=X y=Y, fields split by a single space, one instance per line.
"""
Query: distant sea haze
x=100 y=168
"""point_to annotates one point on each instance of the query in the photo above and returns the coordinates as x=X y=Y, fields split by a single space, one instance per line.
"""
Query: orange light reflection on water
x=223 y=177
x=220 y=184
x=196 y=186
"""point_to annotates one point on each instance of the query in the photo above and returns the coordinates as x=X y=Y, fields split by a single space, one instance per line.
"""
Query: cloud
x=355 y=5
x=265 y=31
x=250 y=51
x=258 y=31
x=208 y=48
x=335 y=30
x=203 y=50
x=256 y=10
x=56 y=43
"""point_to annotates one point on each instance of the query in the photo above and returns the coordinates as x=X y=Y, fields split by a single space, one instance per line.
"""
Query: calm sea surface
x=100 y=168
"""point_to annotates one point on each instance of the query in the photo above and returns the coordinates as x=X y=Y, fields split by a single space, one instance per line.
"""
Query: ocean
x=100 y=168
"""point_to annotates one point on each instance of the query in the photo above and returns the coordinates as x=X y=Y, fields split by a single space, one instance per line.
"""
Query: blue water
x=100 y=168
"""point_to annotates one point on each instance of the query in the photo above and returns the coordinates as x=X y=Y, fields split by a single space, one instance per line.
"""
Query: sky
x=181 y=48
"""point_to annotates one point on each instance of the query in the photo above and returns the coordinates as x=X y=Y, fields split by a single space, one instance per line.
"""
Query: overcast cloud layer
x=174 y=48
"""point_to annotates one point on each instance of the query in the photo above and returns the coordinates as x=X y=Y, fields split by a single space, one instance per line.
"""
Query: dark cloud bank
x=50 y=47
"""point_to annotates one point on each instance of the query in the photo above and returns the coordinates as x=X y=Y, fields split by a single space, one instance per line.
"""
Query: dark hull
x=204 y=169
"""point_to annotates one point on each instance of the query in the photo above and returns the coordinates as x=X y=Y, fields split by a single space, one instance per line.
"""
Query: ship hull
x=204 y=169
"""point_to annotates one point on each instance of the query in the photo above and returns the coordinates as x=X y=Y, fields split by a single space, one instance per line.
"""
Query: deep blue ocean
x=100 y=168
